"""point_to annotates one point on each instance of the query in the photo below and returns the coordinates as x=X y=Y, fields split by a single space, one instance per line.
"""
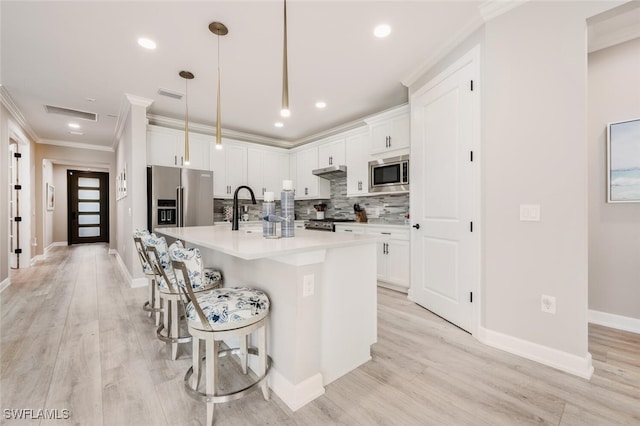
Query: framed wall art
x=623 y=161
x=51 y=197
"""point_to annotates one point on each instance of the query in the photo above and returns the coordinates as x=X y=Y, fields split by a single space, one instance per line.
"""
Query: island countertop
x=249 y=243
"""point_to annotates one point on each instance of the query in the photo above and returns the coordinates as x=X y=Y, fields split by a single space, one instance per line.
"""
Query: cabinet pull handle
x=386 y=233
x=306 y=191
x=387 y=248
x=175 y=160
x=330 y=160
x=348 y=230
x=389 y=141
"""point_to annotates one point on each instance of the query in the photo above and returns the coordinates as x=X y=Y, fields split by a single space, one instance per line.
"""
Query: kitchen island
x=322 y=288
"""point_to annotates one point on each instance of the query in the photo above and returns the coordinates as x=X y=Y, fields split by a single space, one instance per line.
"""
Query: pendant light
x=187 y=76
x=218 y=29
x=284 y=112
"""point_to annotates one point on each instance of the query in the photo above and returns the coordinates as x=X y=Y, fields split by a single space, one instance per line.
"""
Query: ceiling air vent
x=84 y=115
x=170 y=93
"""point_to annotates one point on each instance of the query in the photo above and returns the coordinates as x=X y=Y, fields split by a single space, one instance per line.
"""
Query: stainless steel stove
x=327 y=224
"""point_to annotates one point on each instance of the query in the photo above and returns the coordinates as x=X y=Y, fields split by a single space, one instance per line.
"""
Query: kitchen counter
x=322 y=288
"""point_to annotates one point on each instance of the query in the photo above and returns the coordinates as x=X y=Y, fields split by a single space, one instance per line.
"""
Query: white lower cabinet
x=393 y=252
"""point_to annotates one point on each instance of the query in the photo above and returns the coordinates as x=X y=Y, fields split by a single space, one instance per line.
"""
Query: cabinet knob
x=417 y=226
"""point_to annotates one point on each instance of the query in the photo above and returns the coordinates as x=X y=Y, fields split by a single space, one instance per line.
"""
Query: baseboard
x=615 y=321
x=563 y=361
x=35 y=259
x=295 y=396
x=4 y=284
x=133 y=282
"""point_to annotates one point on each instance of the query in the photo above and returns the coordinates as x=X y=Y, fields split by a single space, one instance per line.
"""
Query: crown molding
x=206 y=129
x=125 y=106
x=77 y=145
x=13 y=109
x=493 y=8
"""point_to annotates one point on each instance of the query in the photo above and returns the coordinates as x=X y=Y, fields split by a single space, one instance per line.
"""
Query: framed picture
x=623 y=161
x=51 y=197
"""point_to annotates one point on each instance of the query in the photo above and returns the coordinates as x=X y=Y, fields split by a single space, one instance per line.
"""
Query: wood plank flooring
x=73 y=336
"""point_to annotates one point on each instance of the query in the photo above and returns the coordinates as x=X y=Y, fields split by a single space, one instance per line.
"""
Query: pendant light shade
x=187 y=76
x=284 y=111
x=218 y=29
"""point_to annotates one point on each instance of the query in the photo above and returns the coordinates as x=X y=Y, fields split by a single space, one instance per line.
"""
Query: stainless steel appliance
x=327 y=224
x=389 y=174
x=179 y=197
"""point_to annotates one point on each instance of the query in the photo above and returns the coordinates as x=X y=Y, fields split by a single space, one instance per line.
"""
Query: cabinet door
x=306 y=161
x=398 y=255
x=276 y=169
x=357 y=166
x=256 y=170
x=331 y=153
x=219 y=166
x=236 y=168
x=382 y=260
x=391 y=135
x=198 y=151
x=161 y=147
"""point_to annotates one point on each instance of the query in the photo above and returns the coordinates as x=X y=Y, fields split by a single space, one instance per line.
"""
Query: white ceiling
x=61 y=53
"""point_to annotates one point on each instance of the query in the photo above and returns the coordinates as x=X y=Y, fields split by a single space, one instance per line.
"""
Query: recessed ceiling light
x=321 y=104
x=90 y=99
x=147 y=43
x=382 y=30
x=278 y=124
x=76 y=133
x=74 y=125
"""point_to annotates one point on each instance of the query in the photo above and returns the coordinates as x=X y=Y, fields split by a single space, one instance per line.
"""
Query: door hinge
x=470 y=297
x=471 y=156
x=17 y=155
x=471 y=85
x=17 y=219
x=470 y=226
x=17 y=251
x=17 y=187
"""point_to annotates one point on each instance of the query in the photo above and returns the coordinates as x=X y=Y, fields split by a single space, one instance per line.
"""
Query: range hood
x=331 y=172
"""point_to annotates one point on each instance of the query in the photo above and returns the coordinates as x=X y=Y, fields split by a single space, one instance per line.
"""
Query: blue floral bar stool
x=152 y=306
x=216 y=315
x=169 y=290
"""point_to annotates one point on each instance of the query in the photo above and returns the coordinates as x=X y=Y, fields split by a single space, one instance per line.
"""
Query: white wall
x=132 y=210
x=47 y=178
x=614 y=228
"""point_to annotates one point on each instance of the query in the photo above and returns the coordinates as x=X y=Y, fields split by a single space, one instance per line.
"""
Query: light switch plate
x=530 y=212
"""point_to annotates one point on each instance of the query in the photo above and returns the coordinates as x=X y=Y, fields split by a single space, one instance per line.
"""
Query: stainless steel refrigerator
x=179 y=197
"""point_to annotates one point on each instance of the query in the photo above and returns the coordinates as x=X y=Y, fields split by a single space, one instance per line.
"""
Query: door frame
x=471 y=56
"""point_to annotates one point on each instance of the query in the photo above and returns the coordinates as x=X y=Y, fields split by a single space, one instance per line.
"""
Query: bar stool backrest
x=138 y=237
x=160 y=262
x=187 y=263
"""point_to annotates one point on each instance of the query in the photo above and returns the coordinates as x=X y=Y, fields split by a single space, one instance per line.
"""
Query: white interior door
x=444 y=252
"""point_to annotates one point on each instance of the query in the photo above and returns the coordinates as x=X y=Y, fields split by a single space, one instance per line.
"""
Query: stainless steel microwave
x=389 y=174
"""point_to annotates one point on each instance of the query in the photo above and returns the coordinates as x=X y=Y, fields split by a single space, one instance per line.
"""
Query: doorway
x=87 y=207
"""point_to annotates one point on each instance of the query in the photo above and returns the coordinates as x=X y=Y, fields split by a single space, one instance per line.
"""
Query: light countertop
x=250 y=244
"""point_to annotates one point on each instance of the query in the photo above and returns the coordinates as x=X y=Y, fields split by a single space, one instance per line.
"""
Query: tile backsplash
x=392 y=208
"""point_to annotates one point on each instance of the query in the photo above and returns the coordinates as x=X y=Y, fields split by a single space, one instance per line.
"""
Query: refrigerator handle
x=178 y=206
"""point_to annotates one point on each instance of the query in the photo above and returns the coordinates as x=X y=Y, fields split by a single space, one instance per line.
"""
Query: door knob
x=417 y=226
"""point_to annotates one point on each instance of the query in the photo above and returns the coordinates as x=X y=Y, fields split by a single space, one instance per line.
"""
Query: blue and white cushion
x=160 y=245
x=201 y=279
x=229 y=308
x=142 y=234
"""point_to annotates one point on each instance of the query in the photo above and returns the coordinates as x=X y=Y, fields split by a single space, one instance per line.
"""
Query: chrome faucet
x=234 y=218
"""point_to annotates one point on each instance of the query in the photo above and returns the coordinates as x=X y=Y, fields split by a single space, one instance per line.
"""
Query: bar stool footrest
x=148 y=308
x=231 y=396
x=167 y=339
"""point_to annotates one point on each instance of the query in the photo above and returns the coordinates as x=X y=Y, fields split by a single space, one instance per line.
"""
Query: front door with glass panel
x=88 y=207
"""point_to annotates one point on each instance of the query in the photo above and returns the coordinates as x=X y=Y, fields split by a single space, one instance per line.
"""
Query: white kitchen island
x=322 y=287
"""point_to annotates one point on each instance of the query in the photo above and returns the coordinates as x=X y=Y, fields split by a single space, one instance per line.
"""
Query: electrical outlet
x=548 y=304
x=308 y=211
x=308 y=284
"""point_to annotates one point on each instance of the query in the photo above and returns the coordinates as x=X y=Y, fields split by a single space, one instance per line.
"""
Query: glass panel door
x=88 y=207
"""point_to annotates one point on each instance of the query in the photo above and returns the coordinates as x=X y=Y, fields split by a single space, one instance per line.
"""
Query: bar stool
x=152 y=306
x=169 y=291
x=219 y=314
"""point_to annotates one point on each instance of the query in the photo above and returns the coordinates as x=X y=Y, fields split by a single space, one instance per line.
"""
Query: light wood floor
x=74 y=336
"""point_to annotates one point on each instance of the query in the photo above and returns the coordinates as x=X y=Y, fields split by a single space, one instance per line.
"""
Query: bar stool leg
x=156 y=302
x=196 y=360
x=211 y=351
x=262 y=359
x=151 y=300
x=174 y=327
x=243 y=353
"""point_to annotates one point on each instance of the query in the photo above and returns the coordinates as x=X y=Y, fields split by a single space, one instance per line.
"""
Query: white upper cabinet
x=331 y=153
x=229 y=169
x=165 y=147
x=307 y=185
x=266 y=169
x=357 y=162
x=390 y=132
